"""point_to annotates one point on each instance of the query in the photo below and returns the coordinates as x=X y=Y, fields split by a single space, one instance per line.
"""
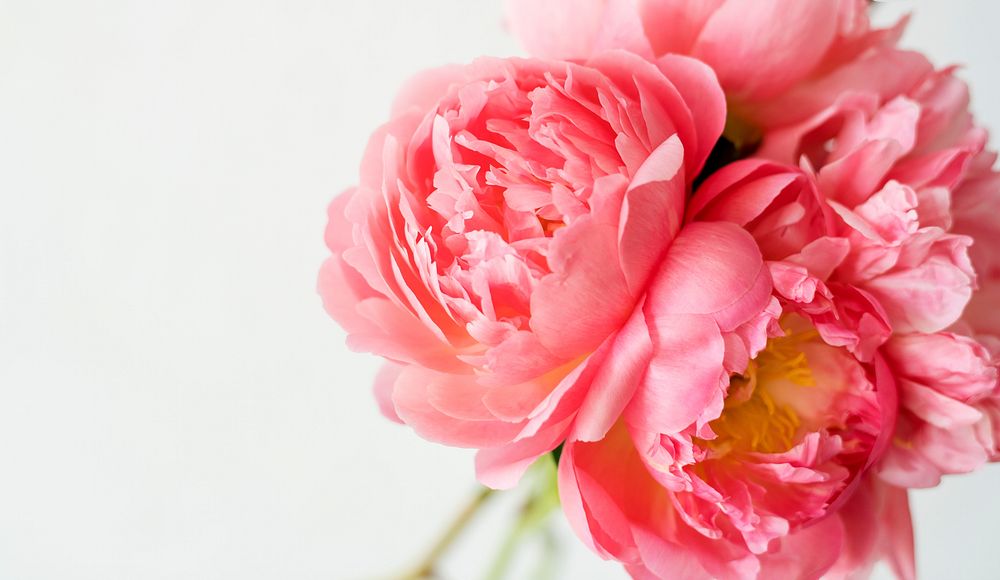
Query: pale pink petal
x=887 y=73
x=673 y=26
x=756 y=59
x=410 y=397
x=423 y=91
x=545 y=31
x=384 y=382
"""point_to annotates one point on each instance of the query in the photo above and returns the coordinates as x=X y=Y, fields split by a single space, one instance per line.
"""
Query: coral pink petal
x=594 y=479
x=710 y=269
x=616 y=380
x=586 y=297
x=898 y=525
x=502 y=467
x=651 y=212
x=807 y=553
x=726 y=178
x=700 y=88
x=398 y=335
x=665 y=559
x=684 y=376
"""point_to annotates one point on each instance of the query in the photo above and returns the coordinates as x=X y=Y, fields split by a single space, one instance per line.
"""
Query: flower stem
x=427 y=567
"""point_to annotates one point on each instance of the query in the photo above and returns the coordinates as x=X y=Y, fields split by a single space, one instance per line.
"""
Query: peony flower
x=807 y=453
x=757 y=490
x=747 y=363
x=911 y=181
x=510 y=222
x=948 y=399
x=777 y=61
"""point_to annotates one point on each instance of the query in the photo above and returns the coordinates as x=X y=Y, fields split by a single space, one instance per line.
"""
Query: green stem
x=542 y=500
x=428 y=564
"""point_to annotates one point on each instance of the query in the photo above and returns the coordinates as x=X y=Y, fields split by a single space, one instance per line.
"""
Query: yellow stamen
x=752 y=420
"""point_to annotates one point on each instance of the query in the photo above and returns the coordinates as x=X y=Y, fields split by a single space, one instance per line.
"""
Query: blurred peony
x=778 y=61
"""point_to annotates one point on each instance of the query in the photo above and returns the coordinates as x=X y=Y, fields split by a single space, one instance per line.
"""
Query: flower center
x=757 y=416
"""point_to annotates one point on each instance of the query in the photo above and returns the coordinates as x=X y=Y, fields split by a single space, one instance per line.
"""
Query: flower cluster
x=736 y=259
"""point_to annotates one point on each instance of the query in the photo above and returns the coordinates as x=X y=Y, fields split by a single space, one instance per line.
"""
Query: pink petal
x=586 y=298
x=672 y=26
x=700 y=88
x=684 y=377
x=652 y=212
x=502 y=467
x=412 y=403
x=384 y=382
x=755 y=58
x=596 y=25
x=887 y=73
x=715 y=269
x=616 y=381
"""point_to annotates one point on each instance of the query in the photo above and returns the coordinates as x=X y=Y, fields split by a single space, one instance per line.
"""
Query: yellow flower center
x=755 y=418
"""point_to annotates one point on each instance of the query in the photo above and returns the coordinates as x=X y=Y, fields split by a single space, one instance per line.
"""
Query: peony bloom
x=777 y=61
x=910 y=183
x=760 y=488
x=852 y=211
x=506 y=231
x=948 y=417
x=746 y=364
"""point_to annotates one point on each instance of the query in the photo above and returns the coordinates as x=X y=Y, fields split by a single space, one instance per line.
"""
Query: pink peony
x=745 y=377
x=860 y=239
x=754 y=488
x=778 y=61
x=503 y=239
x=948 y=418
x=915 y=201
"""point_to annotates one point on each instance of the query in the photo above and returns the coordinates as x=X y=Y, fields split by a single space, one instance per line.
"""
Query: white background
x=173 y=401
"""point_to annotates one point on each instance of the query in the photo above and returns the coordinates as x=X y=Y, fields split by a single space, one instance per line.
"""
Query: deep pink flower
x=754 y=486
x=510 y=222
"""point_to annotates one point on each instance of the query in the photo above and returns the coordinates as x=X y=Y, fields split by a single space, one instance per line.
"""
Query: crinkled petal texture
x=745 y=378
x=500 y=244
x=766 y=482
x=875 y=217
x=765 y=406
x=916 y=201
x=778 y=61
x=947 y=421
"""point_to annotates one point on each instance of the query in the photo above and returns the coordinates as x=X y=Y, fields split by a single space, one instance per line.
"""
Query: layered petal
x=948 y=383
x=499 y=248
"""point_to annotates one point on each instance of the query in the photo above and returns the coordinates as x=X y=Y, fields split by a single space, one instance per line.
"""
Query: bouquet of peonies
x=733 y=264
